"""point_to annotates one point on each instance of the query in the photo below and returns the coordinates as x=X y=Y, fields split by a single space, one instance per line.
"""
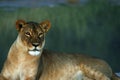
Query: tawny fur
x=67 y=65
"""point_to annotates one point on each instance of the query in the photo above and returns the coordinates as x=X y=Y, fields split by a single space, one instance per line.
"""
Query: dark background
x=85 y=26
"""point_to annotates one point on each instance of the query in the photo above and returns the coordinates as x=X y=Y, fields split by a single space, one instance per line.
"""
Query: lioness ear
x=45 y=25
x=19 y=24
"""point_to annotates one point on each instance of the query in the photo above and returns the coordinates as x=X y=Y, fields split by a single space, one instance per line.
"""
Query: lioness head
x=31 y=35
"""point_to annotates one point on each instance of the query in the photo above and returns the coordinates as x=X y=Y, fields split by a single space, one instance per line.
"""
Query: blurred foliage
x=92 y=29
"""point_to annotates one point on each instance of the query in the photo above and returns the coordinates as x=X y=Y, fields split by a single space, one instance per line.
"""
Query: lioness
x=27 y=60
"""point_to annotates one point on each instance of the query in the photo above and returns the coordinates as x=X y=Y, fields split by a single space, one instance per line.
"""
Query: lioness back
x=64 y=66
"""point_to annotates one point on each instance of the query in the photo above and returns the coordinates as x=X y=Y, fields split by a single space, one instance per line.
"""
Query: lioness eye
x=40 y=35
x=27 y=34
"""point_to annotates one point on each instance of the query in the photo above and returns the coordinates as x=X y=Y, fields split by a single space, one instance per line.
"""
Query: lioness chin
x=28 y=61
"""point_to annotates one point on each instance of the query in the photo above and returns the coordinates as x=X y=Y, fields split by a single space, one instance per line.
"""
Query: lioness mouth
x=35 y=52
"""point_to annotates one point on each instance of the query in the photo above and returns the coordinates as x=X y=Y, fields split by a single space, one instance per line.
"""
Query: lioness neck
x=20 y=52
x=18 y=62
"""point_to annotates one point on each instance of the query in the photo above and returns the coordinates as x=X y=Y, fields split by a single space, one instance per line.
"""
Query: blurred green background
x=91 y=27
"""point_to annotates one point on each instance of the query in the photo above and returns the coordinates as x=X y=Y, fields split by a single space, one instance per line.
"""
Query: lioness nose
x=35 y=44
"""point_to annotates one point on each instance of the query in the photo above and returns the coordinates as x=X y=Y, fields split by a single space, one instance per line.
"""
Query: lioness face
x=32 y=35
